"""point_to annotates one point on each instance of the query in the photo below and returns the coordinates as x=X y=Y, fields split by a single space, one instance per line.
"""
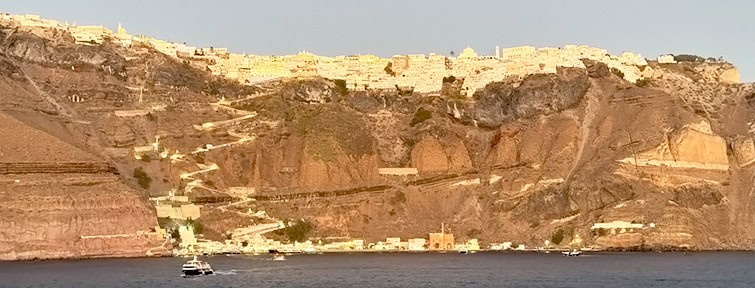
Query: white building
x=666 y=59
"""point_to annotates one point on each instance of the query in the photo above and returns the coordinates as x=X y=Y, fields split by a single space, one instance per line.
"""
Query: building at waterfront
x=441 y=241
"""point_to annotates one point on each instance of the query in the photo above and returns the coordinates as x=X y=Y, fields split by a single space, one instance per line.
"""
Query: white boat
x=195 y=267
x=309 y=250
x=279 y=257
x=463 y=250
x=573 y=253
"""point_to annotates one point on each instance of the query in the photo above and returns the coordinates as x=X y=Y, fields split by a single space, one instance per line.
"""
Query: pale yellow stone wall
x=182 y=212
x=398 y=171
x=518 y=53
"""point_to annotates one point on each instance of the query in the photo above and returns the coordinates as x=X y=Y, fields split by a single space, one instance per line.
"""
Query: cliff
x=60 y=198
x=664 y=163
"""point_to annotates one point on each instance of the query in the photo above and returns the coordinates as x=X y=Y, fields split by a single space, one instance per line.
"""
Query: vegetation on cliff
x=142 y=178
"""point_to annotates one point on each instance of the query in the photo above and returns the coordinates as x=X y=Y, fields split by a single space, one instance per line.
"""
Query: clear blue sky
x=387 y=27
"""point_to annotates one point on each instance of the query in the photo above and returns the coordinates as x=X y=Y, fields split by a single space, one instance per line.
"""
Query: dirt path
x=593 y=104
x=60 y=108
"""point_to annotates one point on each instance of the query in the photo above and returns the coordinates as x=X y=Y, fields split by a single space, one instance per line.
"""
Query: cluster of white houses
x=422 y=73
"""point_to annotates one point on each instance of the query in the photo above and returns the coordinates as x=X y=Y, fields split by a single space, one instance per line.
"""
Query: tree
x=341 y=87
x=557 y=236
x=298 y=230
x=688 y=58
x=175 y=235
x=389 y=69
x=142 y=178
x=196 y=226
x=421 y=115
x=617 y=72
x=452 y=53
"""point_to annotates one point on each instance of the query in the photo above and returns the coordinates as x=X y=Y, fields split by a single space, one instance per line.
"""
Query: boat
x=573 y=253
x=195 y=267
x=279 y=257
x=463 y=250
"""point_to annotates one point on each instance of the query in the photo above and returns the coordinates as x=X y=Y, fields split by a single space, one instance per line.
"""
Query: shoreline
x=485 y=251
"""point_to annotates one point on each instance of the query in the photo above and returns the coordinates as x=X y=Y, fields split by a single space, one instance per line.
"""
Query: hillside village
x=417 y=72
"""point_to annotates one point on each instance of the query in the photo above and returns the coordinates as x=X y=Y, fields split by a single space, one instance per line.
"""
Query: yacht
x=195 y=267
x=571 y=253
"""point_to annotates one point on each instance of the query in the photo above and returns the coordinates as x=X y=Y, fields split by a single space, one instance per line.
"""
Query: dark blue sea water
x=705 y=269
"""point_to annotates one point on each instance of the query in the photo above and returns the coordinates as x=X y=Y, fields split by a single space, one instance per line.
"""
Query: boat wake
x=230 y=272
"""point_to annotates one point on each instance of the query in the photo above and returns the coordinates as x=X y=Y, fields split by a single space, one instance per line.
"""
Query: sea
x=483 y=269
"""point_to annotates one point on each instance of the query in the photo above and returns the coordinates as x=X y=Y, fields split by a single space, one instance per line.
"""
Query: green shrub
x=341 y=87
x=199 y=158
x=420 y=116
x=142 y=178
x=389 y=69
x=688 y=58
x=400 y=197
x=617 y=72
x=557 y=236
x=175 y=235
x=474 y=233
x=196 y=225
x=298 y=230
x=642 y=82
x=449 y=79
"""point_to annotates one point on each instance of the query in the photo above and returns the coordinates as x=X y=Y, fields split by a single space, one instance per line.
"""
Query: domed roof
x=468 y=53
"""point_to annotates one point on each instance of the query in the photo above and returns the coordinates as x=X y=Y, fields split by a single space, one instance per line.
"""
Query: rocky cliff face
x=59 y=197
x=663 y=164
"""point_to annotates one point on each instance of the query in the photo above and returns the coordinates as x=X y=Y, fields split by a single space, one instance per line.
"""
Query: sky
x=388 y=27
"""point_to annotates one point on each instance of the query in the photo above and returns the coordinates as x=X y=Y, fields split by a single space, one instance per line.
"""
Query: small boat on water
x=279 y=257
x=309 y=250
x=572 y=253
x=195 y=267
x=463 y=250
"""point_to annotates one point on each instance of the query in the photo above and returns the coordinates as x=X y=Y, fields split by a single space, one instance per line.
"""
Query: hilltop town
x=120 y=145
x=417 y=72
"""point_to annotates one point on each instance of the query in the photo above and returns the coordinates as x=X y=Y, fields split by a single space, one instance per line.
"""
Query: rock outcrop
x=694 y=147
x=428 y=156
x=744 y=150
x=537 y=94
